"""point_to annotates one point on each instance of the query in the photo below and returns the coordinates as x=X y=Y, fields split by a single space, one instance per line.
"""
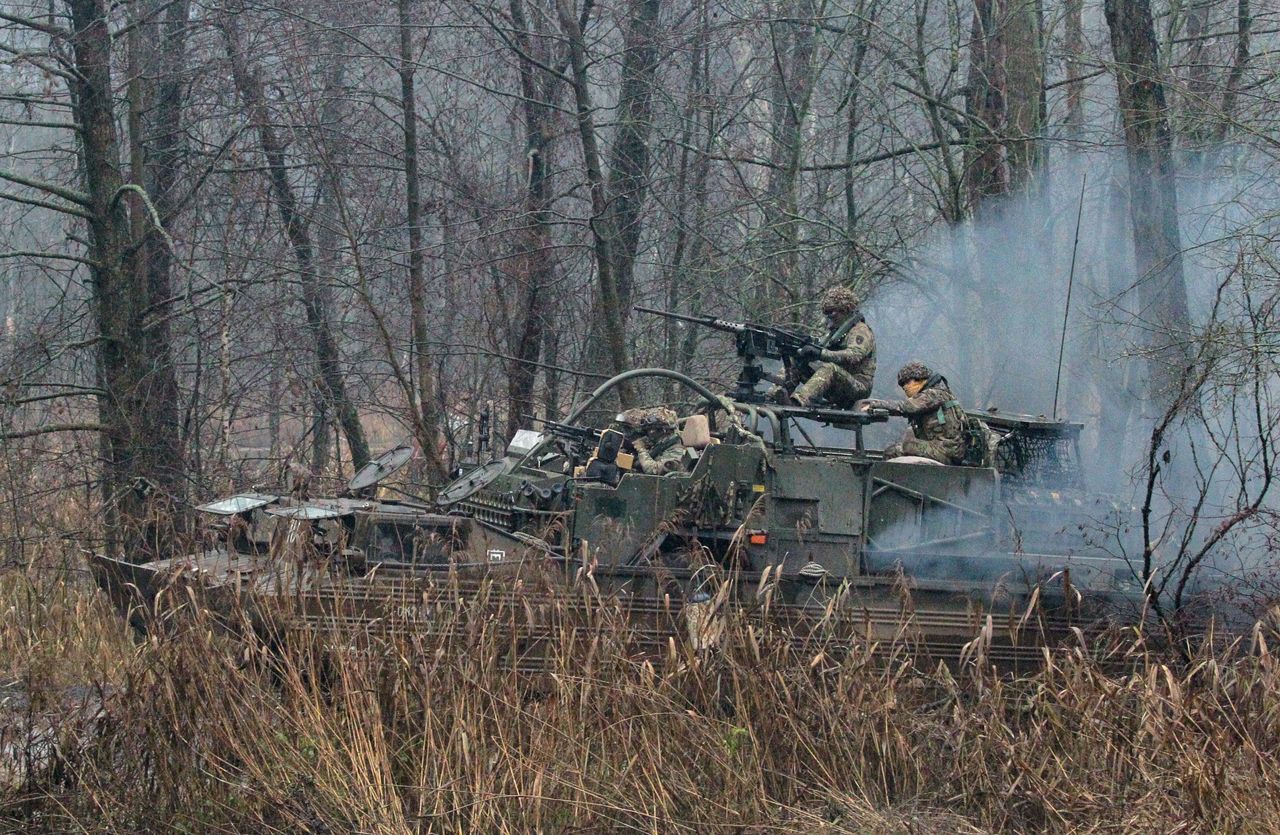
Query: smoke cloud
x=984 y=304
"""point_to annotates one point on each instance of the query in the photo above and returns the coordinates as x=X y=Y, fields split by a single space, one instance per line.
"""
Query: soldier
x=938 y=424
x=844 y=362
x=654 y=438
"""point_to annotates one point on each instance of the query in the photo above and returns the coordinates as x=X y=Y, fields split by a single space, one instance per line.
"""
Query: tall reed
x=448 y=727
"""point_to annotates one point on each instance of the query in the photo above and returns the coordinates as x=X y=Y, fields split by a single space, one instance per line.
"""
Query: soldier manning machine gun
x=753 y=343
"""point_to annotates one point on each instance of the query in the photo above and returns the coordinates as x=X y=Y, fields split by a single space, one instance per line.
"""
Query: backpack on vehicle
x=979 y=443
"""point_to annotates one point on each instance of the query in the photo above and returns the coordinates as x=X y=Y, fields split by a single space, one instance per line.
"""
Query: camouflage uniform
x=938 y=423
x=843 y=371
x=734 y=430
x=659 y=453
x=653 y=436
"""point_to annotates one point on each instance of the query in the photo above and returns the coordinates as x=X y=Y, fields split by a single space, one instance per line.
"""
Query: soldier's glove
x=809 y=351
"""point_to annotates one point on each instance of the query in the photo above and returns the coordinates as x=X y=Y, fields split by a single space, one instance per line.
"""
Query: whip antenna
x=1066 y=312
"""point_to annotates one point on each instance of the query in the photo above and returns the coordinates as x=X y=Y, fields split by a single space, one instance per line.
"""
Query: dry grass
x=192 y=730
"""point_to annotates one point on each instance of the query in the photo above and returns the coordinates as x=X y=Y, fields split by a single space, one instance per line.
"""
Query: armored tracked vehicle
x=791 y=497
x=776 y=510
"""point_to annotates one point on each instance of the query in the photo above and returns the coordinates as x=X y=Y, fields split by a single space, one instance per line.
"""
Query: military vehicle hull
x=762 y=524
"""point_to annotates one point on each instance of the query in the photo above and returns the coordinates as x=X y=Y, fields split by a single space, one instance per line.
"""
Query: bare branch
x=57 y=395
x=835 y=166
x=27 y=123
x=38 y=25
x=44 y=204
x=68 y=194
x=51 y=429
x=54 y=256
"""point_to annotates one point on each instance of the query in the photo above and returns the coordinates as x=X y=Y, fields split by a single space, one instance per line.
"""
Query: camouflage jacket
x=660 y=454
x=934 y=413
x=852 y=347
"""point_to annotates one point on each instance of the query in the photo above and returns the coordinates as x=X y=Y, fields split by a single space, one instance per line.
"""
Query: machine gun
x=597 y=454
x=753 y=343
x=577 y=441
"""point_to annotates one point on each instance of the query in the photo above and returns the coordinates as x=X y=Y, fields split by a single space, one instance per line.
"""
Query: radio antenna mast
x=1066 y=312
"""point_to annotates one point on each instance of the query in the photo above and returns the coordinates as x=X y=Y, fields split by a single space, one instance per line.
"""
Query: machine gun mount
x=753 y=343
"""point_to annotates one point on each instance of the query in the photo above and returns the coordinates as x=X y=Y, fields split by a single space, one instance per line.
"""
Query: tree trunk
x=792 y=89
x=1153 y=201
x=675 y=277
x=985 y=172
x=1198 y=104
x=602 y=232
x=853 y=105
x=142 y=466
x=1116 y=391
x=428 y=416
x=321 y=442
x=629 y=157
x=1231 y=91
x=162 y=147
x=1074 y=45
x=1023 y=33
x=532 y=267
x=686 y=284
x=328 y=144
x=331 y=379
x=1003 y=97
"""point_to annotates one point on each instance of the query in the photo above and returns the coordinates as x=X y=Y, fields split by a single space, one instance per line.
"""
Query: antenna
x=1066 y=313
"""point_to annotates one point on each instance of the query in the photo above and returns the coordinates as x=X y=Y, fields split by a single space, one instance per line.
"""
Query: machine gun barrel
x=567 y=430
x=785 y=340
x=706 y=321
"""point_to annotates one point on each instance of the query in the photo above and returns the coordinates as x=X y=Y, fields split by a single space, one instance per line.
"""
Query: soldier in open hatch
x=653 y=436
x=938 y=425
x=844 y=362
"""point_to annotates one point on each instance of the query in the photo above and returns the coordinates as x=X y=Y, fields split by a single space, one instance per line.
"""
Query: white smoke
x=984 y=304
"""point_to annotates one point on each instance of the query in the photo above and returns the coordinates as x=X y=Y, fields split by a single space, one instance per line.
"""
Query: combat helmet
x=648 y=418
x=840 y=301
x=914 y=370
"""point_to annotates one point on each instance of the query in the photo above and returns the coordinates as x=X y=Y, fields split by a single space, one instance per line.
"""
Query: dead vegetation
x=190 y=729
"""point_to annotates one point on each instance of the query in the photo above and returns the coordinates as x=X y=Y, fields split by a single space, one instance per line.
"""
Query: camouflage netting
x=1042 y=459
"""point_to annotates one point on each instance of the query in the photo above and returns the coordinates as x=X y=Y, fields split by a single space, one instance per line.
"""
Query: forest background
x=240 y=235
x=238 y=238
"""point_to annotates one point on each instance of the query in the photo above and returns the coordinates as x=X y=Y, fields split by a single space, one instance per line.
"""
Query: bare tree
x=142 y=466
x=1153 y=196
x=427 y=416
x=1004 y=97
x=533 y=266
x=791 y=43
x=249 y=86
x=1223 y=420
x=629 y=157
x=603 y=233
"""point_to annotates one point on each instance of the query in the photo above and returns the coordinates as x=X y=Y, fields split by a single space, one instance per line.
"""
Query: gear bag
x=979 y=443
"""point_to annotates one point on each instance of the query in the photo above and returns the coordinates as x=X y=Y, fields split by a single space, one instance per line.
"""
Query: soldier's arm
x=644 y=461
x=893 y=407
x=671 y=462
x=926 y=401
x=860 y=342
